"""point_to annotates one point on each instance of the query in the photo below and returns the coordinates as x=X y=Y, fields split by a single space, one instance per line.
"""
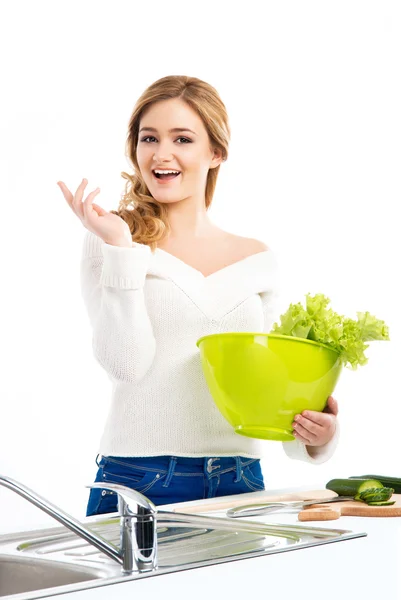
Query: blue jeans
x=169 y=479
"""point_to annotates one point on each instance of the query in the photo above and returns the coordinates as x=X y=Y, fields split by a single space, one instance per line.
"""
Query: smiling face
x=186 y=151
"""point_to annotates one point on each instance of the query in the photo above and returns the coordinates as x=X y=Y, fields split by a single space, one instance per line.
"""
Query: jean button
x=104 y=492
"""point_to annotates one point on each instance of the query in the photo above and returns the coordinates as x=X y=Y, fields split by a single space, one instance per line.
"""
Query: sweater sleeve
x=294 y=449
x=297 y=449
x=112 y=282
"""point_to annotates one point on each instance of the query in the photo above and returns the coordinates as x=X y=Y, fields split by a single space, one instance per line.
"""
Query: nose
x=163 y=153
x=162 y=158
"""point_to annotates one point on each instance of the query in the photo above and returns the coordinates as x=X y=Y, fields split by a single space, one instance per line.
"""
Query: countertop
x=367 y=567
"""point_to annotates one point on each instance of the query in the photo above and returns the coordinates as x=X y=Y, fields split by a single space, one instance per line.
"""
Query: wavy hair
x=146 y=217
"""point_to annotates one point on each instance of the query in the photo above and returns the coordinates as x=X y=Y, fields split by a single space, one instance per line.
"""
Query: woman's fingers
x=304 y=435
x=303 y=424
x=75 y=201
x=112 y=229
x=66 y=193
x=72 y=199
x=331 y=406
x=100 y=211
x=90 y=211
x=314 y=428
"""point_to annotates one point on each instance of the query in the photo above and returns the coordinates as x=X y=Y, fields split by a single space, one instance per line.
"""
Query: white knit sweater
x=147 y=309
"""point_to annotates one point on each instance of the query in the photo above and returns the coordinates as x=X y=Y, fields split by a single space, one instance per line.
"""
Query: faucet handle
x=130 y=501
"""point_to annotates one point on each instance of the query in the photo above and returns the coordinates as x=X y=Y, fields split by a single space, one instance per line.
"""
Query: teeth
x=164 y=172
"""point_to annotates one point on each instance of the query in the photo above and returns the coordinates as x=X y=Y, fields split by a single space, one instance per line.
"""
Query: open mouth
x=166 y=177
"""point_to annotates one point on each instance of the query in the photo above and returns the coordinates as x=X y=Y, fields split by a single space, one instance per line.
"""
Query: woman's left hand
x=316 y=428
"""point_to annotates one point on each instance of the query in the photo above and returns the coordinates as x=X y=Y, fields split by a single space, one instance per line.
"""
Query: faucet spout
x=64 y=518
x=138 y=537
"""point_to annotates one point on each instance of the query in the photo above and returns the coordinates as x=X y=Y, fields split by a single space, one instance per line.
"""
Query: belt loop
x=239 y=469
x=210 y=467
x=97 y=456
x=171 y=468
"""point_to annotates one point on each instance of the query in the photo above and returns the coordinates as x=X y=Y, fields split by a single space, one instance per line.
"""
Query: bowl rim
x=272 y=335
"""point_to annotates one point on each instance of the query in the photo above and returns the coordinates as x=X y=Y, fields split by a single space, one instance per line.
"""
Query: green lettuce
x=319 y=323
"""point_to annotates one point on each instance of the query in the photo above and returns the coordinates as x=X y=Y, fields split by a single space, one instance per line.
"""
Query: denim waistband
x=209 y=466
x=184 y=460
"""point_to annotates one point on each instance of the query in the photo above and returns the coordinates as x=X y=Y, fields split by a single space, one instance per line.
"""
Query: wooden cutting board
x=351 y=508
x=226 y=502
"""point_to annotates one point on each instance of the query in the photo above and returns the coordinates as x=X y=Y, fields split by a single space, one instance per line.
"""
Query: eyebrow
x=170 y=130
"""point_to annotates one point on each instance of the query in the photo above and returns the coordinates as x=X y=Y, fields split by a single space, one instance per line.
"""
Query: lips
x=175 y=171
x=165 y=179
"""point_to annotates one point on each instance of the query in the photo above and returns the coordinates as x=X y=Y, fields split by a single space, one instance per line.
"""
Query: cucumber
x=393 y=482
x=370 y=484
x=352 y=487
x=370 y=495
x=381 y=503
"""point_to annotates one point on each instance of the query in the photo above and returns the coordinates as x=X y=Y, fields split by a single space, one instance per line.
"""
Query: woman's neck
x=188 y=218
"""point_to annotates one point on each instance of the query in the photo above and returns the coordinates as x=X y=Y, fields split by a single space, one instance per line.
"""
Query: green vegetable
x=321 y=324
x=375 y=494
x=367 y=487
x=381 y=503
x=394 y=482
x=370 y=491
x=352 y=487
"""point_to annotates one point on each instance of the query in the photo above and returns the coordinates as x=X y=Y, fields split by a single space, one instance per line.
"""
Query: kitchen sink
x=47 y=562
x=26 y=574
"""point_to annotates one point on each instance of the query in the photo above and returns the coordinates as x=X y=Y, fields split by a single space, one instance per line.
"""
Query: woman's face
x=186 y=151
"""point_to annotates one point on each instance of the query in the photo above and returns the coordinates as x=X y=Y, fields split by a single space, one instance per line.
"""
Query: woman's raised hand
x=109 y=227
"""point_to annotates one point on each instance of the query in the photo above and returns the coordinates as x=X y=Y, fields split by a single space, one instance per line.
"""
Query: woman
x=154 y=280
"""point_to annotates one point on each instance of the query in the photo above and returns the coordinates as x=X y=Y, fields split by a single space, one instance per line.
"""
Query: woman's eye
x=152 y=137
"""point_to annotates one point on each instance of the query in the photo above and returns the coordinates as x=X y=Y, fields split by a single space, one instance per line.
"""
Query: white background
x=313 y=95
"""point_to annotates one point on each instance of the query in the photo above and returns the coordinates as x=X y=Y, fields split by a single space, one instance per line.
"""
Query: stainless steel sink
x=26 y=574
x=48 y=562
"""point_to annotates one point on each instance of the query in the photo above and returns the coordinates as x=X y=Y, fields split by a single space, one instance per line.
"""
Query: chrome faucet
x=138 y=527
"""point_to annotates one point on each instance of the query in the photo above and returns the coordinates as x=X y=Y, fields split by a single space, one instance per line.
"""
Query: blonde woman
x=156 y=275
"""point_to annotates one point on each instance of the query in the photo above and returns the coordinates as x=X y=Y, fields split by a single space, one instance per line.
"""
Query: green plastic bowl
x=260 y=381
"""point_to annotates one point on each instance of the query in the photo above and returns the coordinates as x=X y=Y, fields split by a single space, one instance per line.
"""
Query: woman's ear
x=217 y=158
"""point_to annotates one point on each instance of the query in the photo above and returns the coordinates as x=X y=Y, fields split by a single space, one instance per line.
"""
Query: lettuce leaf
x=319 y=323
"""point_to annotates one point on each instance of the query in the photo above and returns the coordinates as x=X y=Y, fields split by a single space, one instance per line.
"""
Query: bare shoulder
x=249 y=245
x=256 y=245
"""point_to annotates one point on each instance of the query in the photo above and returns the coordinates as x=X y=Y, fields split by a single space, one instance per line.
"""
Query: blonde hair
x=147 y=218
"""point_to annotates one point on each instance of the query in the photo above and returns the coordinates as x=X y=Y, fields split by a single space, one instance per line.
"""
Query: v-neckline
x=219 y=271
x=220 y=292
